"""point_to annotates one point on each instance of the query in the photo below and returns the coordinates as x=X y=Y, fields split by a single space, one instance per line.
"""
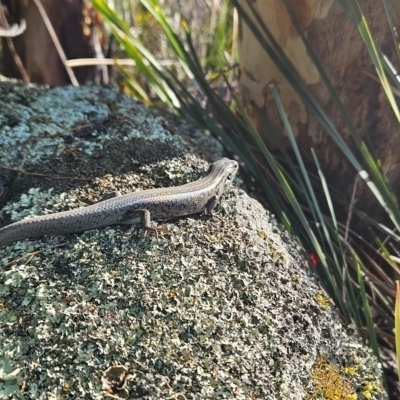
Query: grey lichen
x=36 y=202
x=50 y=121
x=202 y=312
x=219 y=307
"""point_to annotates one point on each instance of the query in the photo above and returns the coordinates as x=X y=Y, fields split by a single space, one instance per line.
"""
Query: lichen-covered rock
x=220 y=307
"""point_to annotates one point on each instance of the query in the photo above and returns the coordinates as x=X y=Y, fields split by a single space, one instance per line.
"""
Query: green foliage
x=397 y=323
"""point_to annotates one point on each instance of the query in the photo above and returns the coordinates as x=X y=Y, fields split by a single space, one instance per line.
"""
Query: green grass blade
x=137 y=51
x=332 y=283
x=397 y=326
x=376 y=57
x=384 y=196
x=366 y=308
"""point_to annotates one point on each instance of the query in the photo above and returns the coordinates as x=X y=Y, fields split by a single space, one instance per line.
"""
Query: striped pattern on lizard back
x=131 y=208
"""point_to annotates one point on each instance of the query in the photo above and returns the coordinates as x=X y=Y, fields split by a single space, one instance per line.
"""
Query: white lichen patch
x=10 y=378
x=38 y=202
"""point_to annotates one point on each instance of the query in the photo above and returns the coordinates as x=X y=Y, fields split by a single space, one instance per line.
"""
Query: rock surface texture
x=218 y=308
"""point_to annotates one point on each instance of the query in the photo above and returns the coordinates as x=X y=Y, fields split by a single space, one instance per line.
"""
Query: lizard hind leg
x=141 y=215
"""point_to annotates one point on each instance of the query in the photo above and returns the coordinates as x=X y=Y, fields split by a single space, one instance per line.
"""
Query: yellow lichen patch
x=262 y=234
x=330 y=383
x=322 y=300
x=352 y=371
x=369 y=389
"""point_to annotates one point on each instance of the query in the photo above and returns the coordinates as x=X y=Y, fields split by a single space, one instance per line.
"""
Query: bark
x=72 y=21
x=340 y=49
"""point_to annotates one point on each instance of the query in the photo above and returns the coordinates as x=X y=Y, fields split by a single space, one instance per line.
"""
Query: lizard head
x=225 y=169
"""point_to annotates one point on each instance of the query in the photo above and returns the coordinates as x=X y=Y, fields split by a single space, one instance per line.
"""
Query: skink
x=131 y=208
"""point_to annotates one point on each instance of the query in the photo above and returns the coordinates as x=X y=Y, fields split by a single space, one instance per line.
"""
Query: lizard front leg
x=211 y=204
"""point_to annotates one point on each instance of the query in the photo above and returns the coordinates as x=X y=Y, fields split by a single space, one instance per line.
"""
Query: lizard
x=132 y=208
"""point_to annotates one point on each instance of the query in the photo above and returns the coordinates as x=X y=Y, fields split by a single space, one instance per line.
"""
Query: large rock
x=220 y=307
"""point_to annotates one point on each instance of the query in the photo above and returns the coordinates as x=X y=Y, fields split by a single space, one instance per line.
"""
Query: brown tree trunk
x=72 y=22
x=341 y=51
